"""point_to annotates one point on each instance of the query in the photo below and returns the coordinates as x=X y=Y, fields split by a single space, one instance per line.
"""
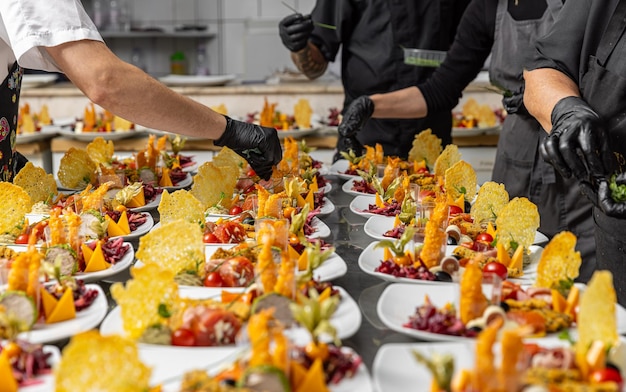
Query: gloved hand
x=295 y=31
x=359 y=111
x=578 y=144
x=259 y=146
x=611 y=199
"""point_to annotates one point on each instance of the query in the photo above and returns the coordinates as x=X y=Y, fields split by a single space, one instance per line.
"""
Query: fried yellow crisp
x=596 y=313
x=100 y=151
x=302 y=113
x=426 y=146
x=492 y=197
x=39 y=185
x=559 y=261
x=210 y=187
x=180 y=205
x=483 y=377
x=221 y=109
x=486 y=116
x=228 y=157
x=517 y=223
x=151 y=287
x=94 y=200
x=92 y=362
x=434 y=235
x=460 y=179
x=76 y=169
x=448 y=157
x=175 y=246
x=17 y=203
x=473 y=302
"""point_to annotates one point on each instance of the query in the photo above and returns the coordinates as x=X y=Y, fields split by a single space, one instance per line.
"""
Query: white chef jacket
x=26 y=26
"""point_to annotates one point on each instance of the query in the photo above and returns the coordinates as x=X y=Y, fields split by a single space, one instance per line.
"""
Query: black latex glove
x=607 y=204
x=295 y=31
x=259 y=146
x=354 y=118
x=578 y=144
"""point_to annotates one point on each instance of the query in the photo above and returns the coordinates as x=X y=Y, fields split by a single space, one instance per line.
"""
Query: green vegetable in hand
x=618 y=192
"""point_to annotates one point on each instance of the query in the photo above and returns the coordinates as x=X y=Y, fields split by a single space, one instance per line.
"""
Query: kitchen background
x=239 y=36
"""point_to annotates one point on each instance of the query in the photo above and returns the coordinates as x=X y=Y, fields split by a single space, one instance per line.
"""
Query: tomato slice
x=183 y=337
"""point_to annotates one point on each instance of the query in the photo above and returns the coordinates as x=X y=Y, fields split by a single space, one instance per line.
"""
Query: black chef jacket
x=372 y=34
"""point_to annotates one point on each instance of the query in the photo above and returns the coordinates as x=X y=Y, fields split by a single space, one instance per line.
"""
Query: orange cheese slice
x=303 y=261
x=64 y=309
x=300 y=202
x=123 y=223
x=314 y=380
x=113 y=229
x=517 y=259
x=313 y=185
x=9 y=383
x=165 y=178
x=379 y=201
x=293 y=254
x=396 y=221
x=87 y=252
x=310 y=201
x=387 y=254
x=97 y=262
x=139 y=200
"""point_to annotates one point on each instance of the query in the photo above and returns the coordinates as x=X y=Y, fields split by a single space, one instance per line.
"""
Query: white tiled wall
x=246 y=42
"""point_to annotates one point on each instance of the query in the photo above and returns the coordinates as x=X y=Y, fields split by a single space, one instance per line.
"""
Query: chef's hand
x=356 y=115
x=260 y=146
x=578 y=144
x=295 y=31
x=605 y=196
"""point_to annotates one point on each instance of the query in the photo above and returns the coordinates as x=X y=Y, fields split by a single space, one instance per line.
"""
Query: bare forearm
x=406 y=103
x=130 y=93
x=310 y=61
x=544 y=88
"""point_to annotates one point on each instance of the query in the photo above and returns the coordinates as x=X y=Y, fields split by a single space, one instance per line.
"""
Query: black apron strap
x=613 y=33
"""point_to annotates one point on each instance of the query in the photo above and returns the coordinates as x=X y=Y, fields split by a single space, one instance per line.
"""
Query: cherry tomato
x=210 y=238
x=293 y=239
x=422 y=170
x=236 y=272
x=213 y=279
x=235 y=210
x=496 y=268
x=22 y=239
x=455 y=210
x=183 y=337
x=214 y=327
x=607 y=374
x=484 y=237
x=251 y=172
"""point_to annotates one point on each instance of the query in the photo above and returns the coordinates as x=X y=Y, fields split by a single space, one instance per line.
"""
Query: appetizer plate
x=395 y=367
x=460 y=132
x=170 y=361
x=339 y=169
x=327 y=208
x=23 y=138
x=370 y=259
x=36 y=80
x=89 y=136
x=348 y=185
x=196 y=80
x=399 y=301
x=361 y=203
x=377 y=225
x=87 y=277
x=328 y=187
x=63 y=188
x=45 y=382
x=188 y=180
x=149 y=206
x=321 y=229
x=141 y=229
x=85 y=320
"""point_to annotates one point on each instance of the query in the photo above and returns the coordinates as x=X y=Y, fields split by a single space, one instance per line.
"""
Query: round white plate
x=327 y=208
x=348 y=186
x=63 y=188
x=196 y=80
x=141 y=229
x=37 y=80
x=395 y=367
x=89 y=136
x=85 y=320
x=149 y=206
x=23 y=138
x=370 y=259
x=377 y=225
x=158 y=132
x=361 y=203
x=87 y=277
x=339 y=169
x=188 y=180
x=45 y=382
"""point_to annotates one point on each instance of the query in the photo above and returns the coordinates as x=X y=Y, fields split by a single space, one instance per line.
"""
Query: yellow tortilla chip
x=460 y=179
x=302 y=113
x=100 y=151
x=180 y=205
x=448 y=157
x=492 y=197
x=426 y=146
x=39 y=185
x=559 y=261
x=17 y=203
x=213 y=184
x=76 y=169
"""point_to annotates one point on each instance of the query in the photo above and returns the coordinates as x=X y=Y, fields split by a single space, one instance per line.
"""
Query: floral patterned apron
x=10 y=160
